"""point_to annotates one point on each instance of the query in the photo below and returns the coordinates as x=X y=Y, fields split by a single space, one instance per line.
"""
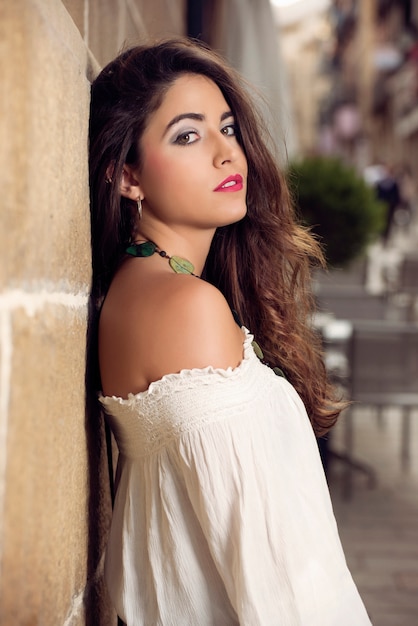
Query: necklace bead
x=148 y=248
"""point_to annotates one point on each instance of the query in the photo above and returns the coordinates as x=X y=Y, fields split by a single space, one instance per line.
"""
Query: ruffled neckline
x=185 y=374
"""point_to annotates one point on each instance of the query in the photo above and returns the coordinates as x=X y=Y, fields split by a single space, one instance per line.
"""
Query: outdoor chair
x=383 y=372
x=352 y=303
x=408 y=283
x=408 y=275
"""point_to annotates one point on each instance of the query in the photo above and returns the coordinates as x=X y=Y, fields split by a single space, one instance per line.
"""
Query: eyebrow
x=193 y=116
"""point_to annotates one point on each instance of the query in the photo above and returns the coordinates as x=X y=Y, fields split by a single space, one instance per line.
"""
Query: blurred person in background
x=387 y=191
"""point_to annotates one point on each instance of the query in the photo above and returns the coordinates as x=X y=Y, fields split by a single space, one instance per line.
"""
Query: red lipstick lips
x=232 y=183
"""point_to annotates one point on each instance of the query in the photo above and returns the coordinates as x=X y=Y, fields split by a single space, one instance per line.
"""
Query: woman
x=222 y=514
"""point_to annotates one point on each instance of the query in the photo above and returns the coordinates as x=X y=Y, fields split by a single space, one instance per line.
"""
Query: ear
x=129 y=184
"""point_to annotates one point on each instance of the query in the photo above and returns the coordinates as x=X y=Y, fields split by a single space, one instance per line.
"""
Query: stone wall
x=54 y=495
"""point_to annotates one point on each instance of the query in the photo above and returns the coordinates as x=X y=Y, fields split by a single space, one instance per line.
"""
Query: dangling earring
x=139 y=205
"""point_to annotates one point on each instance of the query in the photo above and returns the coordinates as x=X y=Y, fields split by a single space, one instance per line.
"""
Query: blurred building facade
x=370 y=114
x=304 y=37
x=353 y=77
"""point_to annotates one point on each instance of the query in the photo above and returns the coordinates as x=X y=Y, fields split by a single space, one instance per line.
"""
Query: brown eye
x=186 y=138
x=229 y=131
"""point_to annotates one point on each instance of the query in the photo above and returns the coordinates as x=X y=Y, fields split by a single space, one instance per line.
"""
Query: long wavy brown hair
x=263 y=263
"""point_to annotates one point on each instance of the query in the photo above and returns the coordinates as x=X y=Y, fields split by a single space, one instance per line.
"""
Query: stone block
x=46 y=497
x=44 y=109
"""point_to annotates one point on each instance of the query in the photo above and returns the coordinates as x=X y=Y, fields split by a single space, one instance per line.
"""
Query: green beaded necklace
x=183 y=266
x=148 y=248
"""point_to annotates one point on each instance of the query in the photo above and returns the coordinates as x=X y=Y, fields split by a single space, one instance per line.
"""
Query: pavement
x=379 y=525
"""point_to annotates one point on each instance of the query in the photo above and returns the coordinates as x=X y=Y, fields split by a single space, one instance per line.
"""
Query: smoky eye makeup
x=186 y=137
x=189 y=135
x=229 y=130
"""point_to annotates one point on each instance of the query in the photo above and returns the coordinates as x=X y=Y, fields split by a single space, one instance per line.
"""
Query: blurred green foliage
x=341 y=209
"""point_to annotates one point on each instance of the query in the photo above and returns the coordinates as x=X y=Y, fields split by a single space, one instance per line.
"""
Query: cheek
x=154 y=166
x=164 y=176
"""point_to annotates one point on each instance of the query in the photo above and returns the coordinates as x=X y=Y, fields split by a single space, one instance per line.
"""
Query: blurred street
x=379 y=526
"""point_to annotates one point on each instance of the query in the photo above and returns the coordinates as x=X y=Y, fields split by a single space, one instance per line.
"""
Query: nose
x=225 y=151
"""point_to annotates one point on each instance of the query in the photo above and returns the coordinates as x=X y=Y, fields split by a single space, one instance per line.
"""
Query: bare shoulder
x=198 y=302
x=195 y=328
x=172 y=323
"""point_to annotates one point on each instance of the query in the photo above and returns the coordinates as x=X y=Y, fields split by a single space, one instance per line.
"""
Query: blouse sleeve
x=229 y=480
x=257 y=486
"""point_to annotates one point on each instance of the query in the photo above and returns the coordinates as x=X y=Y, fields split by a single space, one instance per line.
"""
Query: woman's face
x=193 y=172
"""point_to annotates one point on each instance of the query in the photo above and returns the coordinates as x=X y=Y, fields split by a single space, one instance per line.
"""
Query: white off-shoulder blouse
x=222 y=513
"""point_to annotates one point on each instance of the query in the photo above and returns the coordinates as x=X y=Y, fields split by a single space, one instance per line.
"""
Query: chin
x=227 y=217
x=235 y=216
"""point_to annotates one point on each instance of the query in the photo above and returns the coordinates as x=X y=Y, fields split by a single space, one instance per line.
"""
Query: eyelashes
x=230 y=130
x=188 y=137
